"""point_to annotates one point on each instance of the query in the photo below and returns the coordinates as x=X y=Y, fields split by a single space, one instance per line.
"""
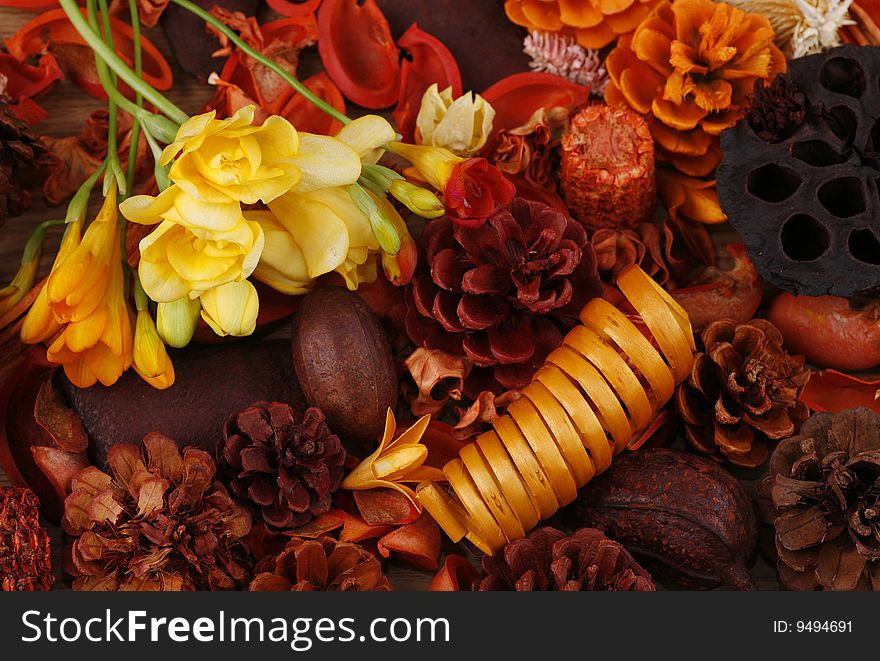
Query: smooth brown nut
x=343 y=363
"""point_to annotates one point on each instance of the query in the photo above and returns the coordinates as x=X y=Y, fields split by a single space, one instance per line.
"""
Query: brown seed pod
x=684 y=517
x=343 y=363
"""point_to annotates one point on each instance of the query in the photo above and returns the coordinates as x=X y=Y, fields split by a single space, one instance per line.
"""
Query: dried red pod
x=485 y=44
x=31 y=5
x=686 y=518
x=426 y=61
x=305 y=116
x=24 y=81
x=52 y=32
x=456 y=575
x=292 y=9
x=358 y=52
x=830 y=391
x=517 y=97
x=385 y=507
x=281 y=41
x=715 y=294
x=828 y=330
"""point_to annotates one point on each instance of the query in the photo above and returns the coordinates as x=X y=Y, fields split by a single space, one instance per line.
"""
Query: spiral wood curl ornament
x=598 y=390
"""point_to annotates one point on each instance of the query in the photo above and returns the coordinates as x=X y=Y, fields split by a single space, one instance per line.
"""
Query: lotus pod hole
x=803 y=195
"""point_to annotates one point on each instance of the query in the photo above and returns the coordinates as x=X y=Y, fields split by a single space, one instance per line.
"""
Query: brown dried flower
x=529 y=149
x=550 y=560
x=743 y=392
x=320 y=565
x=286 y=465
x=157 y=523
x=824 y=487
x=25 y=557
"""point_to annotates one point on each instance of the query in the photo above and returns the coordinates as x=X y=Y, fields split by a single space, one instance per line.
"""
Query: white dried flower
x=802 y=27
x=563 y=56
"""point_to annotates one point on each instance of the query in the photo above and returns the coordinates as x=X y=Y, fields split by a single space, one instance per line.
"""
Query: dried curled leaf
x=439 y=377
x=484 y=411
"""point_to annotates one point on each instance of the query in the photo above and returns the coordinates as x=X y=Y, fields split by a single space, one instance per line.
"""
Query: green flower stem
x=118 y=65
x=34 y=246
x=262 y=59
x=131 y=166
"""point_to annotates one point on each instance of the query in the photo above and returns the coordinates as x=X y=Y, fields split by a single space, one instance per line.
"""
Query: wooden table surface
x=68 y=108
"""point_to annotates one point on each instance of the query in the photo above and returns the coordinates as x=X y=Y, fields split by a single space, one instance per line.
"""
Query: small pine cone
x=21 y=152
x=548 y=560
x=320 y=565
x=286 y=465
x=25 y=558
x=743 y=392
x=608 y=168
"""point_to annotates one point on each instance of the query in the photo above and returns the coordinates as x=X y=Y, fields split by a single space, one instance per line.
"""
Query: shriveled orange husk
x=594 y=23
x=689 y=68
x=597 y=392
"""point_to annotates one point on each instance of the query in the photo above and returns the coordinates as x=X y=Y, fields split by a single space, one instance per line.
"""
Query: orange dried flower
x=594 y=23
x=690 y=67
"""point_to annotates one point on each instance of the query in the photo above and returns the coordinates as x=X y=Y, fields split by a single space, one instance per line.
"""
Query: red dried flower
x=504 y=293
x=25 y=557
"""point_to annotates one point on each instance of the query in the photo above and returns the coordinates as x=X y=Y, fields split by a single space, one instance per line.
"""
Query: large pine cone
x=21 y=151
x=505 y=293
x=548 y=560
x=824 y=490
x=323 y=564
x=743 y=392
x=286 y=465
x=159 y=522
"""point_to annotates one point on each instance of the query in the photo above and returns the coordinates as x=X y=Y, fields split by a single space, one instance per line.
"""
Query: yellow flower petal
x=320 y=233
x=366 y=135
x=325 y=162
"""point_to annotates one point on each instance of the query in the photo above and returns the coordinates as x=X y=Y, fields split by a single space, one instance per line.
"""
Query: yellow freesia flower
x=231 y=309
x=325 y=231
x=86 y=293
x=216 y=160
x=196 y=247
x=461 y=125
x=366 y=135
x=395 y=462
x=40 y=324
x=150 y=359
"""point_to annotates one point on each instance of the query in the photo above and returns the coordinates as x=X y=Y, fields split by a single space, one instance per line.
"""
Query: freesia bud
x=231 y=309
x=461 y=125
x=420 y=201
x=176 y=321
x=150 y=359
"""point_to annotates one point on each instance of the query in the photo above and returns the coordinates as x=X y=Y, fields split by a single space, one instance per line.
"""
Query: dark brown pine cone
x=159 y=522
x=25 y=557
x=21 y=152
x=286 y=465
x=502 y=294
x=742 y=393
x=824 y=491
x=320 y=565
x=550 y=560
